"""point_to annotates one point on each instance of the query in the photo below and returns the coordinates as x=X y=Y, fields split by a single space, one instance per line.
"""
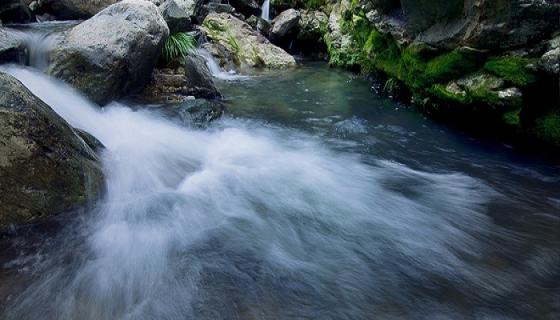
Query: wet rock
x=75 y=9
x=15 y=11
x=221 y=54
x=188 y=79
x=248 y=47
x=105 y=64
x=285 y=23
x=46 y=168
x=485 y=89
x=12 y=48
x=199 y=80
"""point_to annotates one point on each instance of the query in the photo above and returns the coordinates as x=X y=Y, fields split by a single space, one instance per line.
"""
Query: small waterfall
x=38 y=47
x=265 y=10
x=215 y=69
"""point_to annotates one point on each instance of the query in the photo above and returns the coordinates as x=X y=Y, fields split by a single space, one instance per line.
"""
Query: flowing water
x=313 y=198
x=265 y=10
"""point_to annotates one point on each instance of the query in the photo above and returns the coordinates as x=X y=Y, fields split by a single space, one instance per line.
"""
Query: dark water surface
x=312 y=199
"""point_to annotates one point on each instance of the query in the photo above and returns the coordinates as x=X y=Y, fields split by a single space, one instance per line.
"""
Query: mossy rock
x=512 y=68
x=547 y=128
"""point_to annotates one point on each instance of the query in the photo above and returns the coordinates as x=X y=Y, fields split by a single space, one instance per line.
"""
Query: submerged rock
x=45 y=166
x=284 y=23
x=113 y=53
x=248 y=47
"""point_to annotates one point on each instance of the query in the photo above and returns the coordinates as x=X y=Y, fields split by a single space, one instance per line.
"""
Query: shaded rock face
x=482 y=24
x=105 y=64
x=14 y=11
x=284 y=23
x=247 y=47
x=246 y=7
x=45 y=166
x=12 y=48
x=75 y=9
x=179 y=14
x=312 y=25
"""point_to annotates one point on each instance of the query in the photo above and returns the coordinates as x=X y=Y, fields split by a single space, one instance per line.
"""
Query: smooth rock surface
x=284 y=23
x=46 y=168
x=105 y=64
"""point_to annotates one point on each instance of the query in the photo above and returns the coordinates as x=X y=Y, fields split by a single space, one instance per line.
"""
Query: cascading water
x=215 y=69
x=187 y=212
x=265 y=10
x=254 y=220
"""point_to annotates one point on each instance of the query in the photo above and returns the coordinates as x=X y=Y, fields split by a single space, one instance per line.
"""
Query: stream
x=312 y=198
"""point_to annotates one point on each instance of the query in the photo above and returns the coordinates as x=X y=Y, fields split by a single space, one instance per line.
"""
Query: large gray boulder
x=284 y=23
x=246 y=46
x=46 y=168
x=113 y=53
x=75 y=9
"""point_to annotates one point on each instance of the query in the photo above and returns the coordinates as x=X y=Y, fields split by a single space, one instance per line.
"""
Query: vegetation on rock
x=178 y=45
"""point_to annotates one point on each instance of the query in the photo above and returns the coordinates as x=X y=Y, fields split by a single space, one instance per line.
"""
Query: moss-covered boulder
x=483 y=91
x=45 y=166
x=247 y=47
x=113 y=53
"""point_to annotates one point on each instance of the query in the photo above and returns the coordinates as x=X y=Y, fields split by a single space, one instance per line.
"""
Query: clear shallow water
x=313 y=199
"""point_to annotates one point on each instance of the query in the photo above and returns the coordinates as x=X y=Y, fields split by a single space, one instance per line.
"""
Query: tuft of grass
x=178 y=45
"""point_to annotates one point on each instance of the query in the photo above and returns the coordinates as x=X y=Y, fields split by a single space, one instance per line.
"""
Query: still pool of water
x=313 y=198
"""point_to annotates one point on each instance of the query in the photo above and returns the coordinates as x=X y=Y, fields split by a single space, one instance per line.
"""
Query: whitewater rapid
x=196 y=223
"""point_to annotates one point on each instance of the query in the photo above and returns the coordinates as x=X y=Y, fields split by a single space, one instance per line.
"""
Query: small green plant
x=177 y=45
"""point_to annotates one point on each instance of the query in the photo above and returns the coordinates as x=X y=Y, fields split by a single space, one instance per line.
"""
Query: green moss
x=547 y=128
x=381 y=52
x=448 y=66
x=441 y=93
x=511 y=68
x=512 y=118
